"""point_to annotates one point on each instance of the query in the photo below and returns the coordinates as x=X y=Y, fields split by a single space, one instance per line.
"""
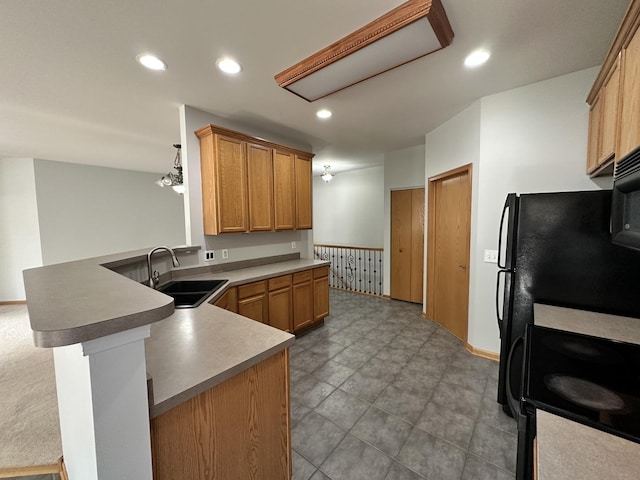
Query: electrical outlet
x=209 y=255
x=491 y=256
x=293 y=244
x=225 y=253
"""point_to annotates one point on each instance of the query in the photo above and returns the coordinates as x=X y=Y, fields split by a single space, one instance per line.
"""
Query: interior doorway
x=407 y=244
x=448 y=244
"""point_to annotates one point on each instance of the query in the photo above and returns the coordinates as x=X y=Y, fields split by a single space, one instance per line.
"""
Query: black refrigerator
x=555 y=248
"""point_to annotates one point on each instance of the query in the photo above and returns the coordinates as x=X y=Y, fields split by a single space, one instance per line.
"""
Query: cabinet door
x=302 y=305
x=260 y=187
x=231 y=184
x=280 y=309
x=229 y=300
x=255 y=308
x=609 y=117
x=284 y=190
x=593 y=148
x=320 y=293
x=253 y=301
x=304 y=211
x=630 y=107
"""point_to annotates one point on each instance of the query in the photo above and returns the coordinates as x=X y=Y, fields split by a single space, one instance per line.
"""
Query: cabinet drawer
x=251 y=289
x=321 y=272
x=279 y=282
x=304 y=276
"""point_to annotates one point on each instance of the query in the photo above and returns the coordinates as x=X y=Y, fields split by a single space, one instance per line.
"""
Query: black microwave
x=625 y=206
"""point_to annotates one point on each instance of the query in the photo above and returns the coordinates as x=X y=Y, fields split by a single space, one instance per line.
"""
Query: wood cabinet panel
x=593 y=147
x=229 y=300
x=610 y=117
x=260 y=187
x=279 y=282
x=237 y=429
x=251 y=289
x=304 y=210
x=303 y=305
x=250 y=184
x=284 y=190
x=630 y=106
x=281 y=309
x=320 y=297
x=304 y=276
x=231 y=185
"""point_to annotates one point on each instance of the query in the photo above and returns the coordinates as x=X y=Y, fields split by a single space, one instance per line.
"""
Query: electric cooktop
x=587 y=379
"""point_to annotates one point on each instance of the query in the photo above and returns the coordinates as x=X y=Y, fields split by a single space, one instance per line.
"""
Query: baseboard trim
x=359 y=293
x=13 y=302
x=482 y=353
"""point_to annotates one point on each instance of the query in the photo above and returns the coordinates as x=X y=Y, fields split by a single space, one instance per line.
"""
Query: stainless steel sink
x=190 y=293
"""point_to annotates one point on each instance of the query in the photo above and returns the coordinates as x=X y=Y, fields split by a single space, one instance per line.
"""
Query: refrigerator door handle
x=500 y=321
x=502 y=261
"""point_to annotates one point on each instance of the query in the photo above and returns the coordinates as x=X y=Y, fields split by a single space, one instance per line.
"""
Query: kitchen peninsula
x=220 y=383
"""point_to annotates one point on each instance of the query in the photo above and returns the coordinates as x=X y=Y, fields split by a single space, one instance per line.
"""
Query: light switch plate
x=491 y=256
x=293 y=244
x=225 y=253
x=209 y=255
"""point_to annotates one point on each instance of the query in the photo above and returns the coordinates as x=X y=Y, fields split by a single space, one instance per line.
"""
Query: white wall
x=240 y=246
x=402 y=169
x=86 y=211
x=19 y=230
x=348 y=210
x=530 y=139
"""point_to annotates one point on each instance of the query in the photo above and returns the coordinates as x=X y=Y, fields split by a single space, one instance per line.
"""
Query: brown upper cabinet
x=252 y=185
x=614 y=99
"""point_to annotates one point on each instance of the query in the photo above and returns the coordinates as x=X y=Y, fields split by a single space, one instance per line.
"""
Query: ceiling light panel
x=477 y=58
x=324 y=113
x=414 y=29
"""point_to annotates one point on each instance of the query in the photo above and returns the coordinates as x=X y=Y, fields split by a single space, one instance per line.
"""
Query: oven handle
x=507 y=206
x=514 y=404
x=500 y=319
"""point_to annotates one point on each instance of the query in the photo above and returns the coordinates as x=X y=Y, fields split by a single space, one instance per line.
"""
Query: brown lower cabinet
x=280 y=303
x=237 y=429
x=293 y=302
x=253 y=302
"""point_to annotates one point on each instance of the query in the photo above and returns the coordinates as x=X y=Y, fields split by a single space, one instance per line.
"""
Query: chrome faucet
x=154 y=276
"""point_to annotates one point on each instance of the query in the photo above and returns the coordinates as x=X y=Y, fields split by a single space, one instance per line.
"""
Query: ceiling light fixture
x=324 y=114
x=151 y=62
x=327 y=175
x=174 y=180
x=410 y=31
x=228 y=65
x=477 y=58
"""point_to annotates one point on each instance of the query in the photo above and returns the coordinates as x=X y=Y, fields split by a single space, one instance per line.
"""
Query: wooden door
x=448 y=250
x=260 y=187
x=281 y=303
x=304 y=212
x=253 y=301
x=593 y=146
x=610 y=109
x=229 y=300
x=630 y=108
x=231 y=185
x=320 y=293
x=407 y=244
x=302 y=300
x=284 y=190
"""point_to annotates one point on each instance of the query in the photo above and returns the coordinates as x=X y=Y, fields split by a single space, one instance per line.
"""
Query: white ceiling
x=71 y=89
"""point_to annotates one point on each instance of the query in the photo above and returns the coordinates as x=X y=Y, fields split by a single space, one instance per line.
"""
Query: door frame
x=431 y=222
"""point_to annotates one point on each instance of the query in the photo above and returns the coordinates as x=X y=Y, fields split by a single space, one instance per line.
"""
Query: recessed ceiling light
x=476 y=58
x=151 y=62
x=227 y=65
x=324 y=113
